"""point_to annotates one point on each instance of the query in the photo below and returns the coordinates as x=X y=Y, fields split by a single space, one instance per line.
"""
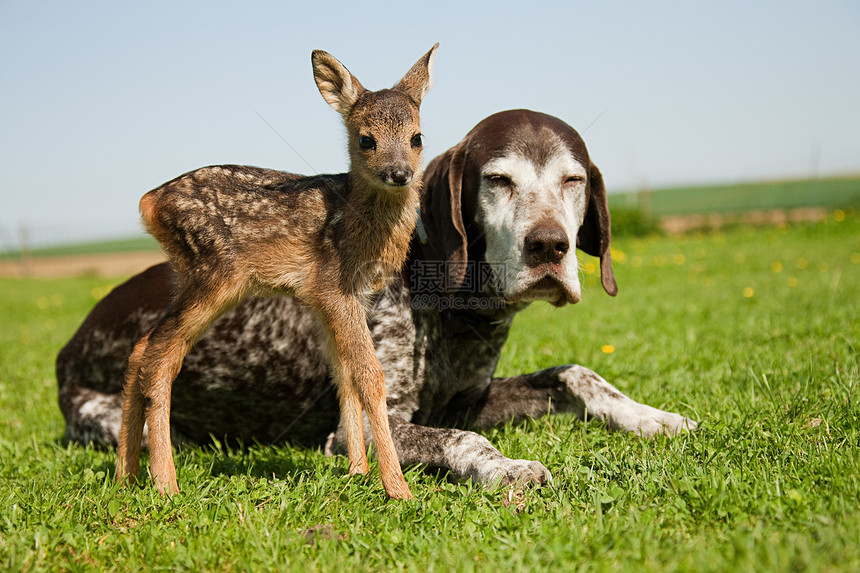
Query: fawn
x=329 y=240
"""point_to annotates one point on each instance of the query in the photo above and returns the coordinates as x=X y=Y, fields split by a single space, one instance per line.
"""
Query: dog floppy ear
x=595 y=234
x=442 y=215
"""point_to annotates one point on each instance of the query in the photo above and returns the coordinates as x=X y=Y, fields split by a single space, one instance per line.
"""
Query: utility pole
x=24 y=249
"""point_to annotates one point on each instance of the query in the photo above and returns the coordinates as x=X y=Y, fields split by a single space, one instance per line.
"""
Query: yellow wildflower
x=618 y=255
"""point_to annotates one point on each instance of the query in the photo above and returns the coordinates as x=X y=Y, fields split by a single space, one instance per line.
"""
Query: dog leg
x=463 y=454
x=92 y=417
x=595 y=397
x=573 y=389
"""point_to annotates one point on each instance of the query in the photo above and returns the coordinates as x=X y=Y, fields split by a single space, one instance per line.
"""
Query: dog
x=501 y=215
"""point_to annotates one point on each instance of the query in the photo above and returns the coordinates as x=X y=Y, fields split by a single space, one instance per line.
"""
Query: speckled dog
x=329 y=240
x=501 y=213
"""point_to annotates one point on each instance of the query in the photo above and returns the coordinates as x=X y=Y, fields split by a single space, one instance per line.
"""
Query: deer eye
x=366 y=142
x=417 y=140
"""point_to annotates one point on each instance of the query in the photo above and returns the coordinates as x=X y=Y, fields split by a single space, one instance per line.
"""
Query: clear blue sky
x=102 y=101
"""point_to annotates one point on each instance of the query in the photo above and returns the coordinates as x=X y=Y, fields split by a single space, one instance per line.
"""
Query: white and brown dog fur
x=501 y=213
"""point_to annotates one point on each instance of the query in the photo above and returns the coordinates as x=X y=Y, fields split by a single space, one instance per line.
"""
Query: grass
x=754 y=333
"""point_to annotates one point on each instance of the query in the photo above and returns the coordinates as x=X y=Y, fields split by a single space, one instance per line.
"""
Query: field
x=752 y=332
x=831 y=192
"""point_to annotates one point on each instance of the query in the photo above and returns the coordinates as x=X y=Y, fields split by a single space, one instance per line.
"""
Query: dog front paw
x=648 y=422
x=507 y=472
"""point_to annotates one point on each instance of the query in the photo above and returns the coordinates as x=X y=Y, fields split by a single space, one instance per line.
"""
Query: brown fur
x=329 y=240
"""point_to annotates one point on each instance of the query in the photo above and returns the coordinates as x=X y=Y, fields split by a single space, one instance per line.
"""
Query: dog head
x=517 y=194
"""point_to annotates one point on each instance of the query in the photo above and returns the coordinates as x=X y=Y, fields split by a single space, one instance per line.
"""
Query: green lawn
x=754 y=333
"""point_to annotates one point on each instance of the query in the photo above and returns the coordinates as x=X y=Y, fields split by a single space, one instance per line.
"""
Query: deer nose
x=546 y=244
x=399 y=176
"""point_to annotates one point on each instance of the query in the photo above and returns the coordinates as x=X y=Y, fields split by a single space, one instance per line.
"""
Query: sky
x=102 y=101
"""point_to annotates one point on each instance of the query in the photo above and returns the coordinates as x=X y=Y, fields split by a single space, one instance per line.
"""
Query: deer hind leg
x=154 y=365
x=133 y=405
x=362 y=385
x=350 y=411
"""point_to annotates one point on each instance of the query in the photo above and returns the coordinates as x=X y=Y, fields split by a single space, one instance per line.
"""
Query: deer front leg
x=362 y=385
x=156 y=387
x=371 y=389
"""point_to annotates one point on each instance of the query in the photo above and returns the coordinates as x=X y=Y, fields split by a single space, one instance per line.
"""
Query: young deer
x=330 y=240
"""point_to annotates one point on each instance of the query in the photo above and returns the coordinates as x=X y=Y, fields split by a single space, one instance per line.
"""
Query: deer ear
x=416 y=82
x=336 y=84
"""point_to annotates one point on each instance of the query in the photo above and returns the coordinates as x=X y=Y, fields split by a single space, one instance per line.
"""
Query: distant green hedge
x=145 y=243
x=833 y=193
x=633 y=223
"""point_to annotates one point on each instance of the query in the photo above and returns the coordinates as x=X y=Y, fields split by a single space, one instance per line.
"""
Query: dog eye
x=499 y=179
x=366 y=142
x=417 y=140
x=573 y=179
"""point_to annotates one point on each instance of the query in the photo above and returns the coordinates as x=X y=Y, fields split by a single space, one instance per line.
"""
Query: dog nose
x=400 y=176
x=546 y=244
